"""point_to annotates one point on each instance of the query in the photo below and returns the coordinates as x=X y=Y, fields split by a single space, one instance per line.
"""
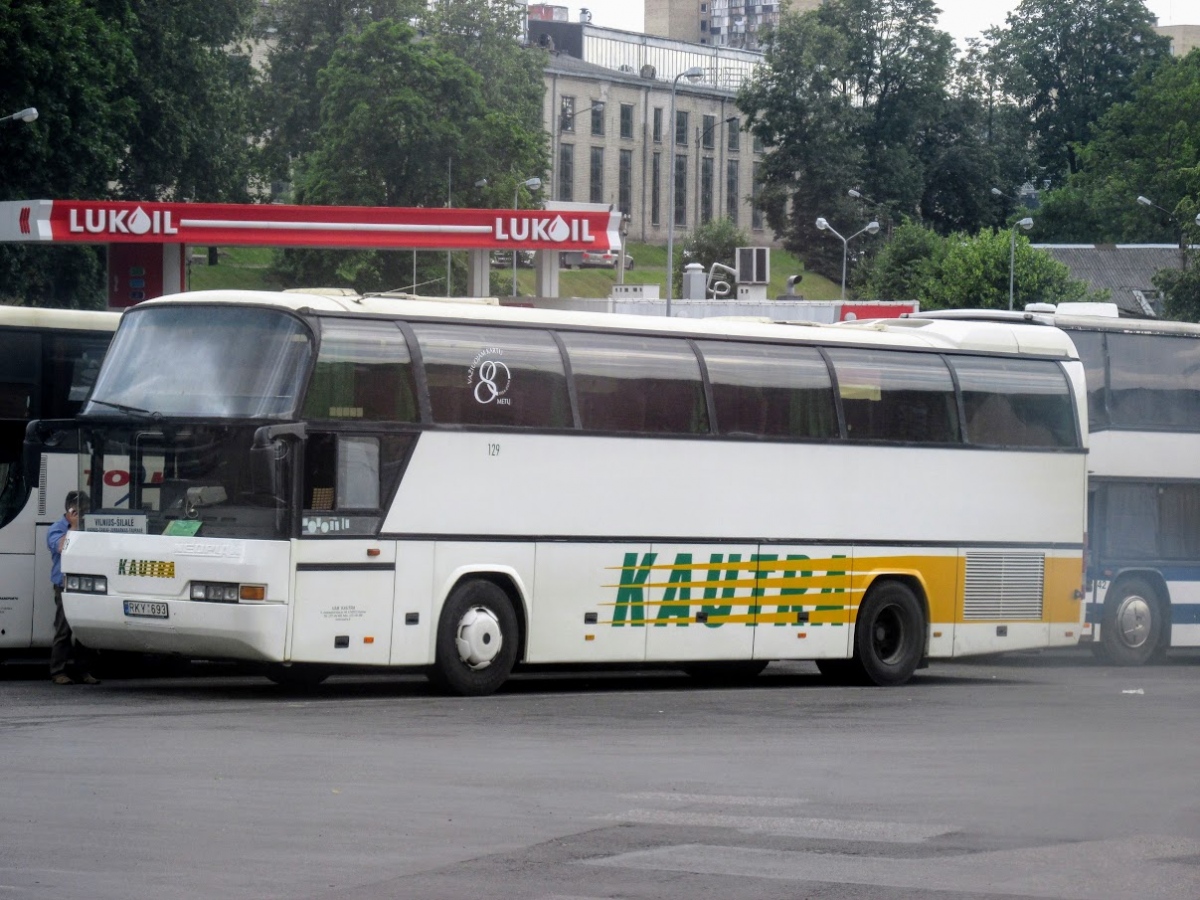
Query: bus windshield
x=183 y=361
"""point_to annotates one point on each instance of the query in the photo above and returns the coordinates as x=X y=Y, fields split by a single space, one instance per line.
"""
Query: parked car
x=592 y=259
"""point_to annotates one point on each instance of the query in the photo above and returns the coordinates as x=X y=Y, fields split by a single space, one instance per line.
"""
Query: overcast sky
x=962 y=18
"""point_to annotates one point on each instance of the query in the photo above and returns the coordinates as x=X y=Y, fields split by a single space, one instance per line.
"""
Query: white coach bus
x=49 y=359
x=326 y=481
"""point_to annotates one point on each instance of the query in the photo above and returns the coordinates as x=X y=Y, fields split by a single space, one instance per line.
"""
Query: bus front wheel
x=1132 y=623
x=889 y=634
x=476 y=640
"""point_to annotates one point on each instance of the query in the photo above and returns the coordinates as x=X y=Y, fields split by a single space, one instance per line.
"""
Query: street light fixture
x=823 y=225
x=1183 y=243
x=533 y=184
x=1025 y=223
x=695 y=73
x=879 y=207
x=26 y=115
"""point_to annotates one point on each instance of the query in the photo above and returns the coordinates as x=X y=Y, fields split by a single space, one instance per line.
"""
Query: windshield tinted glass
x=204 y=361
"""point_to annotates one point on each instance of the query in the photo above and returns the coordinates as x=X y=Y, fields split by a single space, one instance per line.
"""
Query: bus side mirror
x=268 y=451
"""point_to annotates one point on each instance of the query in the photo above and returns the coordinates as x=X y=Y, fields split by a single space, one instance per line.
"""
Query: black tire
x=477 y=640
x=1131 y=627
x=726 y=671
x=889 y=635
x=298 y=676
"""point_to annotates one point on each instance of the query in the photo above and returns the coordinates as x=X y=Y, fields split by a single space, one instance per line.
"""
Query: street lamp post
x=1025 y=223
x=695 y=73
x=533 y=184
x=25 y=115
x=823 y=225
x=1183 y=244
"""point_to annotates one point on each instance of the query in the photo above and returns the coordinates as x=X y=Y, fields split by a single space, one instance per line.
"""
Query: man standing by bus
x=66 y=657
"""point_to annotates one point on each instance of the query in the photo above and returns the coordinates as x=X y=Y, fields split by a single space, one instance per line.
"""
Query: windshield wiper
x=132 y=410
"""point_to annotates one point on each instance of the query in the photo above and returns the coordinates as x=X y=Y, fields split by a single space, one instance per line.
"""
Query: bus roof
x=1000 y=337
x=58 y=319
x=1063 y=320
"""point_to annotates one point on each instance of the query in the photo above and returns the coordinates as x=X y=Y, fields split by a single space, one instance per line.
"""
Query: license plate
x=153 y=609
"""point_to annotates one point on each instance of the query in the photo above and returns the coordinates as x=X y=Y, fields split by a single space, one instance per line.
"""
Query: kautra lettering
x=146 y=568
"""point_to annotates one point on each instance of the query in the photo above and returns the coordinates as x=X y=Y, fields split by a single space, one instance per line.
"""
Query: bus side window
x=1016 y=402
x=352 y=472
x=770 y=390
x=363 y=372
x=896 y=396
x=483 y=375
x=638 y=385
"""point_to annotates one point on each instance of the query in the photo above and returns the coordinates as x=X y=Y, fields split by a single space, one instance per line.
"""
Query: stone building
x=607 y=109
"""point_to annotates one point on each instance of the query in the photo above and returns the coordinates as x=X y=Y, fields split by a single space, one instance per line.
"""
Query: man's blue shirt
x=57 y=530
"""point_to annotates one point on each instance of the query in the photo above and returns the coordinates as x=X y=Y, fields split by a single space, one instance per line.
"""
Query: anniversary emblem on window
x=490 y=377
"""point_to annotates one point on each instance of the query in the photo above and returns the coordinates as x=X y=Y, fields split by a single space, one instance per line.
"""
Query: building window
x=566 y=115
x=758 y=144
x=627 y=121
x=566 y=172
x=625 y=182
x=655 y=184
x=596 y=193
x=732 y=200
x=708 y=133
x=735 y=136
x=681 y=128
x=703 y=26
x=706 y=189
x=756 y=214
x=681 y=189
x=658 y=120
x=598 y=118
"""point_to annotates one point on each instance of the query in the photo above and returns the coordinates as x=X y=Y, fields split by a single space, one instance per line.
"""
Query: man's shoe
x=63 y=678
x=89 y=678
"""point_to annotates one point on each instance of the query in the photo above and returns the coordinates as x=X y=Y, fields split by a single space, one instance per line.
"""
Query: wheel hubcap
x=479 y=637
x=887 y=635
x=1133 y=621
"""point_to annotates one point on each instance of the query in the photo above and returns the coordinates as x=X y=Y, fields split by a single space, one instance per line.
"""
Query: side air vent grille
x=1004 y=586
x=42 y=488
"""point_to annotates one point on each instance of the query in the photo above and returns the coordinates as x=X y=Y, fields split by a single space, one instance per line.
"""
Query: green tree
x=1148 y=146
x=1066 y=63
x=381 y=142
x=305 y=34
x=960 y=271
x=70 y=60
x=856 y=94
x=1181 y=290
x=190 y=88
x=715 y=241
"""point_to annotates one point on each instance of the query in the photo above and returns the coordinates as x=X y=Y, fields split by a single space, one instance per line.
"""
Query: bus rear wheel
x=477 y=640
x=889 y=635
x=1132 y=623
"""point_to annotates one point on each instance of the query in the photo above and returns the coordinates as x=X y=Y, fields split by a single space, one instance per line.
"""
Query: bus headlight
x=214 y=591
x=86 y=584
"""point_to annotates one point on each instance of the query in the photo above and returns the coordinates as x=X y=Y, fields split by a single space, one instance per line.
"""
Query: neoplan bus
x=1143 y=380
x=460 y=488
x=49 y=359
